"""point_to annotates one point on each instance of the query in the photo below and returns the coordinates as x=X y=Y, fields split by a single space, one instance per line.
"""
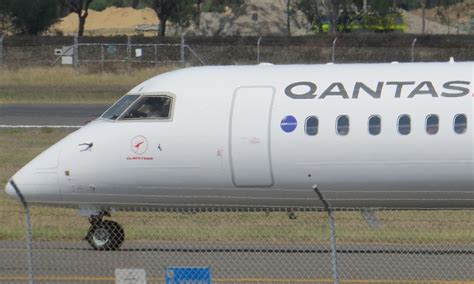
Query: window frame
x=348 y=124
x=171 y=96
x=122 y=97
x=306 y=125
x=380 y=125
x=454 y=123
x=398 y=124
x=437 y=124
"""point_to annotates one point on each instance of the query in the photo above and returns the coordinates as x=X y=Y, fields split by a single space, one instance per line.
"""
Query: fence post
x=29 y=237
x=334 y=49
x=332 y=238
x=413 y=50
x=332 y=234
x=129 y=53
x=182 y=50
x=258 y=49
x=156 y=55
x=1 y=51
x=102 y=58
x=76 y=52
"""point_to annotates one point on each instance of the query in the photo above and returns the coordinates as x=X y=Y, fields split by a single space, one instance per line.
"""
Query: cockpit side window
x=150 y=107
x=119 y=107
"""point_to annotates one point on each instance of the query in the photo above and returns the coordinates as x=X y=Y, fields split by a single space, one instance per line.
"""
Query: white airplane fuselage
x=236 y=137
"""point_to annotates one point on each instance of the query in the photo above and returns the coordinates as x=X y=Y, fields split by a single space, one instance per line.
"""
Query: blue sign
x=288 y=123
x=195 y=275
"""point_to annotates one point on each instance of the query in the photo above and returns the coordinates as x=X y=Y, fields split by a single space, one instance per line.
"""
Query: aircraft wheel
x=105 y=235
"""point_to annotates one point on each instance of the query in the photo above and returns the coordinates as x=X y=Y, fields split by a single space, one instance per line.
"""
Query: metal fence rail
x=130 y=54
x=265 y=245
x=118 y=53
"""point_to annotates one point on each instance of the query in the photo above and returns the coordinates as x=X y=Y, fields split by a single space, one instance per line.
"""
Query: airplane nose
x=36 y=185
x=38 y=180
x=11 y=191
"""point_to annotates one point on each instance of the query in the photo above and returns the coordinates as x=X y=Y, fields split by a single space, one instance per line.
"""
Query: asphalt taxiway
x=75 y=262
x=49 y=114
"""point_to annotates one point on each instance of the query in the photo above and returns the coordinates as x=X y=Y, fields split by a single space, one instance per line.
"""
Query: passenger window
x=342 y=126
x=432 y=124
x=460 y=123
x=375 y=125
x=150 y=107
x=311 y=127
x=404 y=126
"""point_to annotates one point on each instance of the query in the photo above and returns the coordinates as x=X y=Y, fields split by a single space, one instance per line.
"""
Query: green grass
x=66 y=85
x=410 y=228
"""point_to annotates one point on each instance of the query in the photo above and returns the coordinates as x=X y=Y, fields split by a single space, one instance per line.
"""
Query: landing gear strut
x=104 y=234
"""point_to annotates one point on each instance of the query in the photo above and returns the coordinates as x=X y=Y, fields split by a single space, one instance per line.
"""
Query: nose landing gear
x=104 y=234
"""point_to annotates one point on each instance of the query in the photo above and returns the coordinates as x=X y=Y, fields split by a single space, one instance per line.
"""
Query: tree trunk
x=163 y=26
x=82 y=22
x=135 y=4
x=366 y=9
x=197 y=17
x=423 y=16
x=288 y=17
x=333 y=15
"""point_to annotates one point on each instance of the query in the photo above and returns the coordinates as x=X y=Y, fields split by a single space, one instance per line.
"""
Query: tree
x=446 y=8
x=288 y=15
x=423 y=16
x=3 y=15
x=197 y=14
x=30 y=16
x=178 y=11
x=336 y=13
x=81 y=8
x=312 y=9
x=135 y=4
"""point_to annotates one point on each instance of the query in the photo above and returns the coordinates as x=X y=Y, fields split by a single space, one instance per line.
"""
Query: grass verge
x=66 y=85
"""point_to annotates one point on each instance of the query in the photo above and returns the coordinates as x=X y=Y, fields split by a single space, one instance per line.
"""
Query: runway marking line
x=241 y=280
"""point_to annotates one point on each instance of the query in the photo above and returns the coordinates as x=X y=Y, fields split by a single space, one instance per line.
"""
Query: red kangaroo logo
x=138 y=144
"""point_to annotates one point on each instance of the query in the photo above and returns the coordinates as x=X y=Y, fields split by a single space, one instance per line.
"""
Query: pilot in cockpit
x=159 y=108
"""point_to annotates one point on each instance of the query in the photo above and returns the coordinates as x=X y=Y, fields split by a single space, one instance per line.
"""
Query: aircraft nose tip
x=37 y=181
x=10 y=190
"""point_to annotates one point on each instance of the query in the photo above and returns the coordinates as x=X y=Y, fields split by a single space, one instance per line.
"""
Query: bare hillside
x=262 y=17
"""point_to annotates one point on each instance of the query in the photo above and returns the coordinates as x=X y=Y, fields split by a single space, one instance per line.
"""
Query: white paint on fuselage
x=188 y=159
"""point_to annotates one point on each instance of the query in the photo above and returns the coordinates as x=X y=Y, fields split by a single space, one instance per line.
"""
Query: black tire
x=105 y=235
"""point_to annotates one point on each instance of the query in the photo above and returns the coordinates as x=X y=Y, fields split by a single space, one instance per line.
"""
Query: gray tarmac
x=75 y=262
x=49 y=114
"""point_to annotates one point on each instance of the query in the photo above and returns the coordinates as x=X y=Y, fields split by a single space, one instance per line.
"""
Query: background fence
x=111 y=53
x=265 y=245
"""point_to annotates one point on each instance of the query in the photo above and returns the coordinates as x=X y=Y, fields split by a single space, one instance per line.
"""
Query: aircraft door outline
x=250 y=136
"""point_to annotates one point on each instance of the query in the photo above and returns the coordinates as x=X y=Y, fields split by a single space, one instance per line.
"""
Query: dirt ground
x=111 y=21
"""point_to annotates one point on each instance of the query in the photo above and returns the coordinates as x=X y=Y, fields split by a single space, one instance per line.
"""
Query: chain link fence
x=127 y=53
x=264 y=245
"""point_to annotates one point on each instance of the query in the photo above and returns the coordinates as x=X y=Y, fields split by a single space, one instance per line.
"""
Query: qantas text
x=397 y=89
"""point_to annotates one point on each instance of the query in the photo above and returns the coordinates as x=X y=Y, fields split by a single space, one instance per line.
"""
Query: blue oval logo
x=288 y=123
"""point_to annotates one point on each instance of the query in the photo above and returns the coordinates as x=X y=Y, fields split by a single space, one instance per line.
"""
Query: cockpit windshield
x=150 y=107
x=119 y=107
